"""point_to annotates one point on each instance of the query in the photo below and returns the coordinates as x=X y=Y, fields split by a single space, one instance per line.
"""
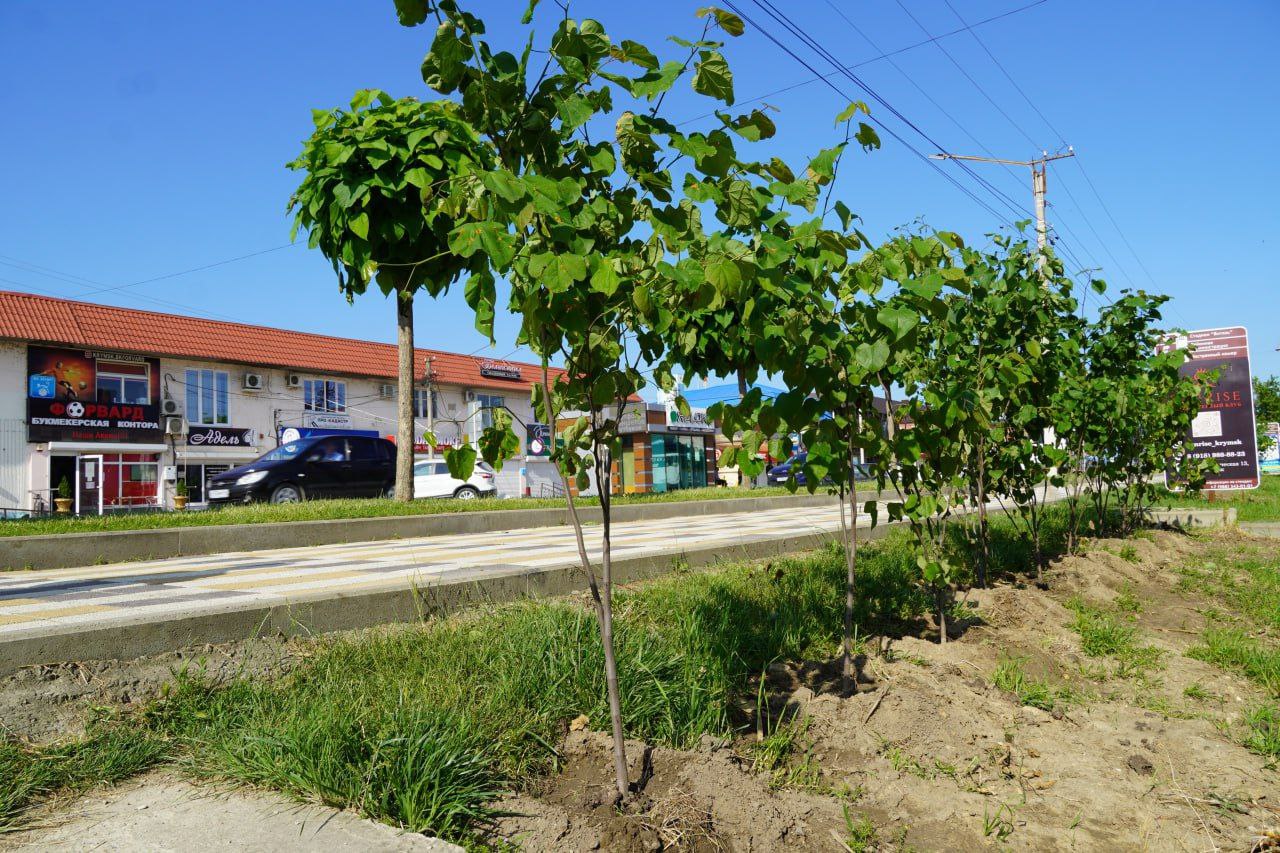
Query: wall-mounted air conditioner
x=469 y=396
x=292 y=380
x=170 y=407
x=174 y=426
x=253 y=382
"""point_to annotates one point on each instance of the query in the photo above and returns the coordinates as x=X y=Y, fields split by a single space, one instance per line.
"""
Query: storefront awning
x=104 y=447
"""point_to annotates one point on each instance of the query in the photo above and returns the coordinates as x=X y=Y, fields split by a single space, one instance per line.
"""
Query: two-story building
x=124 y=404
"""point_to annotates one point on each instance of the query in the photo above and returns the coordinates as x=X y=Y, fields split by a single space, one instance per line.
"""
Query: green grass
x=1010 y=675
x=1260 y=504
x=324 y=510
x=1231 y=648
x=1104 y=634
x=1262 y=730
x=422 y=727
x=109 y=753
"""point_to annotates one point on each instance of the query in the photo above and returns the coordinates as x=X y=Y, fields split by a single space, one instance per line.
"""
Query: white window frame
x=108 y=373
x=420 y=403
x=336 y=404
x=195 y=382
x=485 y=404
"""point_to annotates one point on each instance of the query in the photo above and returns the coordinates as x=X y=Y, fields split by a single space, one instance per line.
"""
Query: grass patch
x=109 y=753
x=1010 y=675
x=325 y=510
x=1231 y=648
x=1260 y=504
x=1262 y=731
x=1104 y=634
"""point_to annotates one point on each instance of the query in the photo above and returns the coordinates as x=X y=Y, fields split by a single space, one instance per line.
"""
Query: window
x=420 y=403
x=328 y=450
x=487 y=403
x=129 y=479
x=207 y=397
x=367 y=450
x=324 y=395
x=197 y=478
x=124 y=383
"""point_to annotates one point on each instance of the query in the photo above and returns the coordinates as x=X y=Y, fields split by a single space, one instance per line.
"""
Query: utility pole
x=1039 y=183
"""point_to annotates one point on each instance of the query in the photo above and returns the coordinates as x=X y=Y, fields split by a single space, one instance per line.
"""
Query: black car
x=778 y=474
x=329 y=466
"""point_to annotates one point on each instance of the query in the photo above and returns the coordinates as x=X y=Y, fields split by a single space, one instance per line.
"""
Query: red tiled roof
x=42 y=319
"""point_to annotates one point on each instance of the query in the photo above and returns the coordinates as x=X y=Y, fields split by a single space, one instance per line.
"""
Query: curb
x=1187 y=519
x=74 y=550
x=323 y=611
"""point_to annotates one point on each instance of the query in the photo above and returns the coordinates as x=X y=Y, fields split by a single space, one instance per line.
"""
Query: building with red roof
x=146 y=400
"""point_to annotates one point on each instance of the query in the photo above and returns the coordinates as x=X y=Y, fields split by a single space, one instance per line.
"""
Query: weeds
x=860 y=835
x=1127 y=601
x=1231 y=648
x=1129 y=553
x=1103 y=635
x=998 y=824
x=1010 y=675
x=1263 y=731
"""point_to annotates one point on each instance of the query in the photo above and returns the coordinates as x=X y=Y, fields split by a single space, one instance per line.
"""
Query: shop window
x=487 y=403
x=679 y=462
x=324 y=395
x=420 y=399
x=207 y=397
x=197 y=478
x=129 y=479
x=123 y=383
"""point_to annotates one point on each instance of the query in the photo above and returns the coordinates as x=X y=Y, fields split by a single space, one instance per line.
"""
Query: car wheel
x=467 y=493
x=389 y=491
x=286 y=494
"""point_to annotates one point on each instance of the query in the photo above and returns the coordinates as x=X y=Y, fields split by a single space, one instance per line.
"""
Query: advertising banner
x=1269 y=459
x=1224 y=430
x=537 y=440
x=83 y=395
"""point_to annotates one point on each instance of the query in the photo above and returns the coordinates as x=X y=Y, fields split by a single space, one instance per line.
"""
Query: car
x=431 y=479
x=778 y=474
x=327 y=466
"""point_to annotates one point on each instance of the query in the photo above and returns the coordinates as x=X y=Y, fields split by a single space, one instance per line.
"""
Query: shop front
x=211 y=450
x=663 y=450
x=94 y=418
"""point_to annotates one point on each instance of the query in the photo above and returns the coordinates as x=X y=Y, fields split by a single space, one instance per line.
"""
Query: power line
x=193 y=269
x=777 y=16
x=910 y=47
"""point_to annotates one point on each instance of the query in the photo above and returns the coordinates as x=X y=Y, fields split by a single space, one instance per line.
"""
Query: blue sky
x=143 y=139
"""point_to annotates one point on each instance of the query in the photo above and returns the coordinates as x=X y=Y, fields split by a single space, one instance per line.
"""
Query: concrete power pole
x=1039 y=182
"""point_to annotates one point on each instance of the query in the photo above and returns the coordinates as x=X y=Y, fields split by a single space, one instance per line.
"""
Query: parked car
x=431 y=479
x=778 y=474
x=330 y=466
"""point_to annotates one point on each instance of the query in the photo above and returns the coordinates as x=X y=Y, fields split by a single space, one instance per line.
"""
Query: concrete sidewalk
x=133 y=609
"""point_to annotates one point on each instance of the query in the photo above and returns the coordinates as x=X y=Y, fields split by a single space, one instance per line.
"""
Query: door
x=89 y=485
x=370 y=469
x=326 y=469
x=432 y=480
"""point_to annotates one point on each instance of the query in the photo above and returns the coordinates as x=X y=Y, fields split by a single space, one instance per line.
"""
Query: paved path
x=66 y=600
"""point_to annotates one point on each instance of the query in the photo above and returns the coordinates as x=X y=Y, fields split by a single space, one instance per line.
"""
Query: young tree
x=386 y=183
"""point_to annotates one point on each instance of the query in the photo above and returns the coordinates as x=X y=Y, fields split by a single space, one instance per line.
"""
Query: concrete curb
x=324 y=612
x=1261 y=528
x=1186 y=519
x=71 y=550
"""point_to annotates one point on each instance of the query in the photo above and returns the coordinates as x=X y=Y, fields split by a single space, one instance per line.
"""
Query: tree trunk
x=404 y=396
x=742 y=393
x=849 y=677
x=604 y=484
x=984 y=534
x=942 y=614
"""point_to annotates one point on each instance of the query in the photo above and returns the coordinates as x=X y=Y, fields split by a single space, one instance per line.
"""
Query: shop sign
x=69 y=394
x=1224 y=430
x=326 y=420
x=288 y=435
x=219 y=436
x=537 y=440
x=500 y=370
x=634 y=418
x=695 y=421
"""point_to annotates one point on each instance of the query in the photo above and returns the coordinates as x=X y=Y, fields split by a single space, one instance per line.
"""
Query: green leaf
x=867 y=137
x=605 y=279
x=359 y=225
x=899 y=321
x=871 y=357
x=527 y=17
x=574 y=111
x=635 y=53
x=461 y=461
x=504 y=184
x=850 y=111
x=412 y=12
x=712 y=77
x=561 y=271
x=728 y=21
x=723 y=273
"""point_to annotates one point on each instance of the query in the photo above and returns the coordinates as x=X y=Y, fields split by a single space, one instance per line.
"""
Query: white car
x=431 y=479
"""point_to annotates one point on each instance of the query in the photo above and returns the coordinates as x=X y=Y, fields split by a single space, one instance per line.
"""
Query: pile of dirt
x=931 y=755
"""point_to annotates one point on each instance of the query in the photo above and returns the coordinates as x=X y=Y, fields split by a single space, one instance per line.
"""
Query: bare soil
x=930 y=755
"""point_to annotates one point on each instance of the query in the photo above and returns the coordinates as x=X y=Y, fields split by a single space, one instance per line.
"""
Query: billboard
x=1224 y=429
x=85 y=395
x=1269 y=459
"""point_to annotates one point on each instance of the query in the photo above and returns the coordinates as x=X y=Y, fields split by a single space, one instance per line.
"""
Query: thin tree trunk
x=742 y=393
x=984 y=532
x=851 y=577
x=404 y=396
x=942 y=614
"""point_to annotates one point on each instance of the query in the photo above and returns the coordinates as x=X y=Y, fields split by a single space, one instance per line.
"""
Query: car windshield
x=284 y=452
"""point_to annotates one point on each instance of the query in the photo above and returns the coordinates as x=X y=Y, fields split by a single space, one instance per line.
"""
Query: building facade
x=125 y=404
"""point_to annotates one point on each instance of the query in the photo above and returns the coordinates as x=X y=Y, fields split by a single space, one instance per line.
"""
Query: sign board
x=537 y=440
x=500 y=370
x=82 y=395
x=1224 y=430
x=289 y=435
x=1269 y=459
x=326 y=420
x=695 y=421
x=219 y=436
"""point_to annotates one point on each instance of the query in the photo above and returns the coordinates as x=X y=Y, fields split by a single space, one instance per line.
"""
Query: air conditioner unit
x=170 y=407
x=253 y=382
x=292 y=380
x=173 y=426
x=469 y=396
x=386 y=391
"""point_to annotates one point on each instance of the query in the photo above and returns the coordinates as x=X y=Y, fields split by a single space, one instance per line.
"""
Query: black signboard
x=218 y=436
x=537 y=440
x=1224 y=430
x=500 y=370
x=79 y=395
